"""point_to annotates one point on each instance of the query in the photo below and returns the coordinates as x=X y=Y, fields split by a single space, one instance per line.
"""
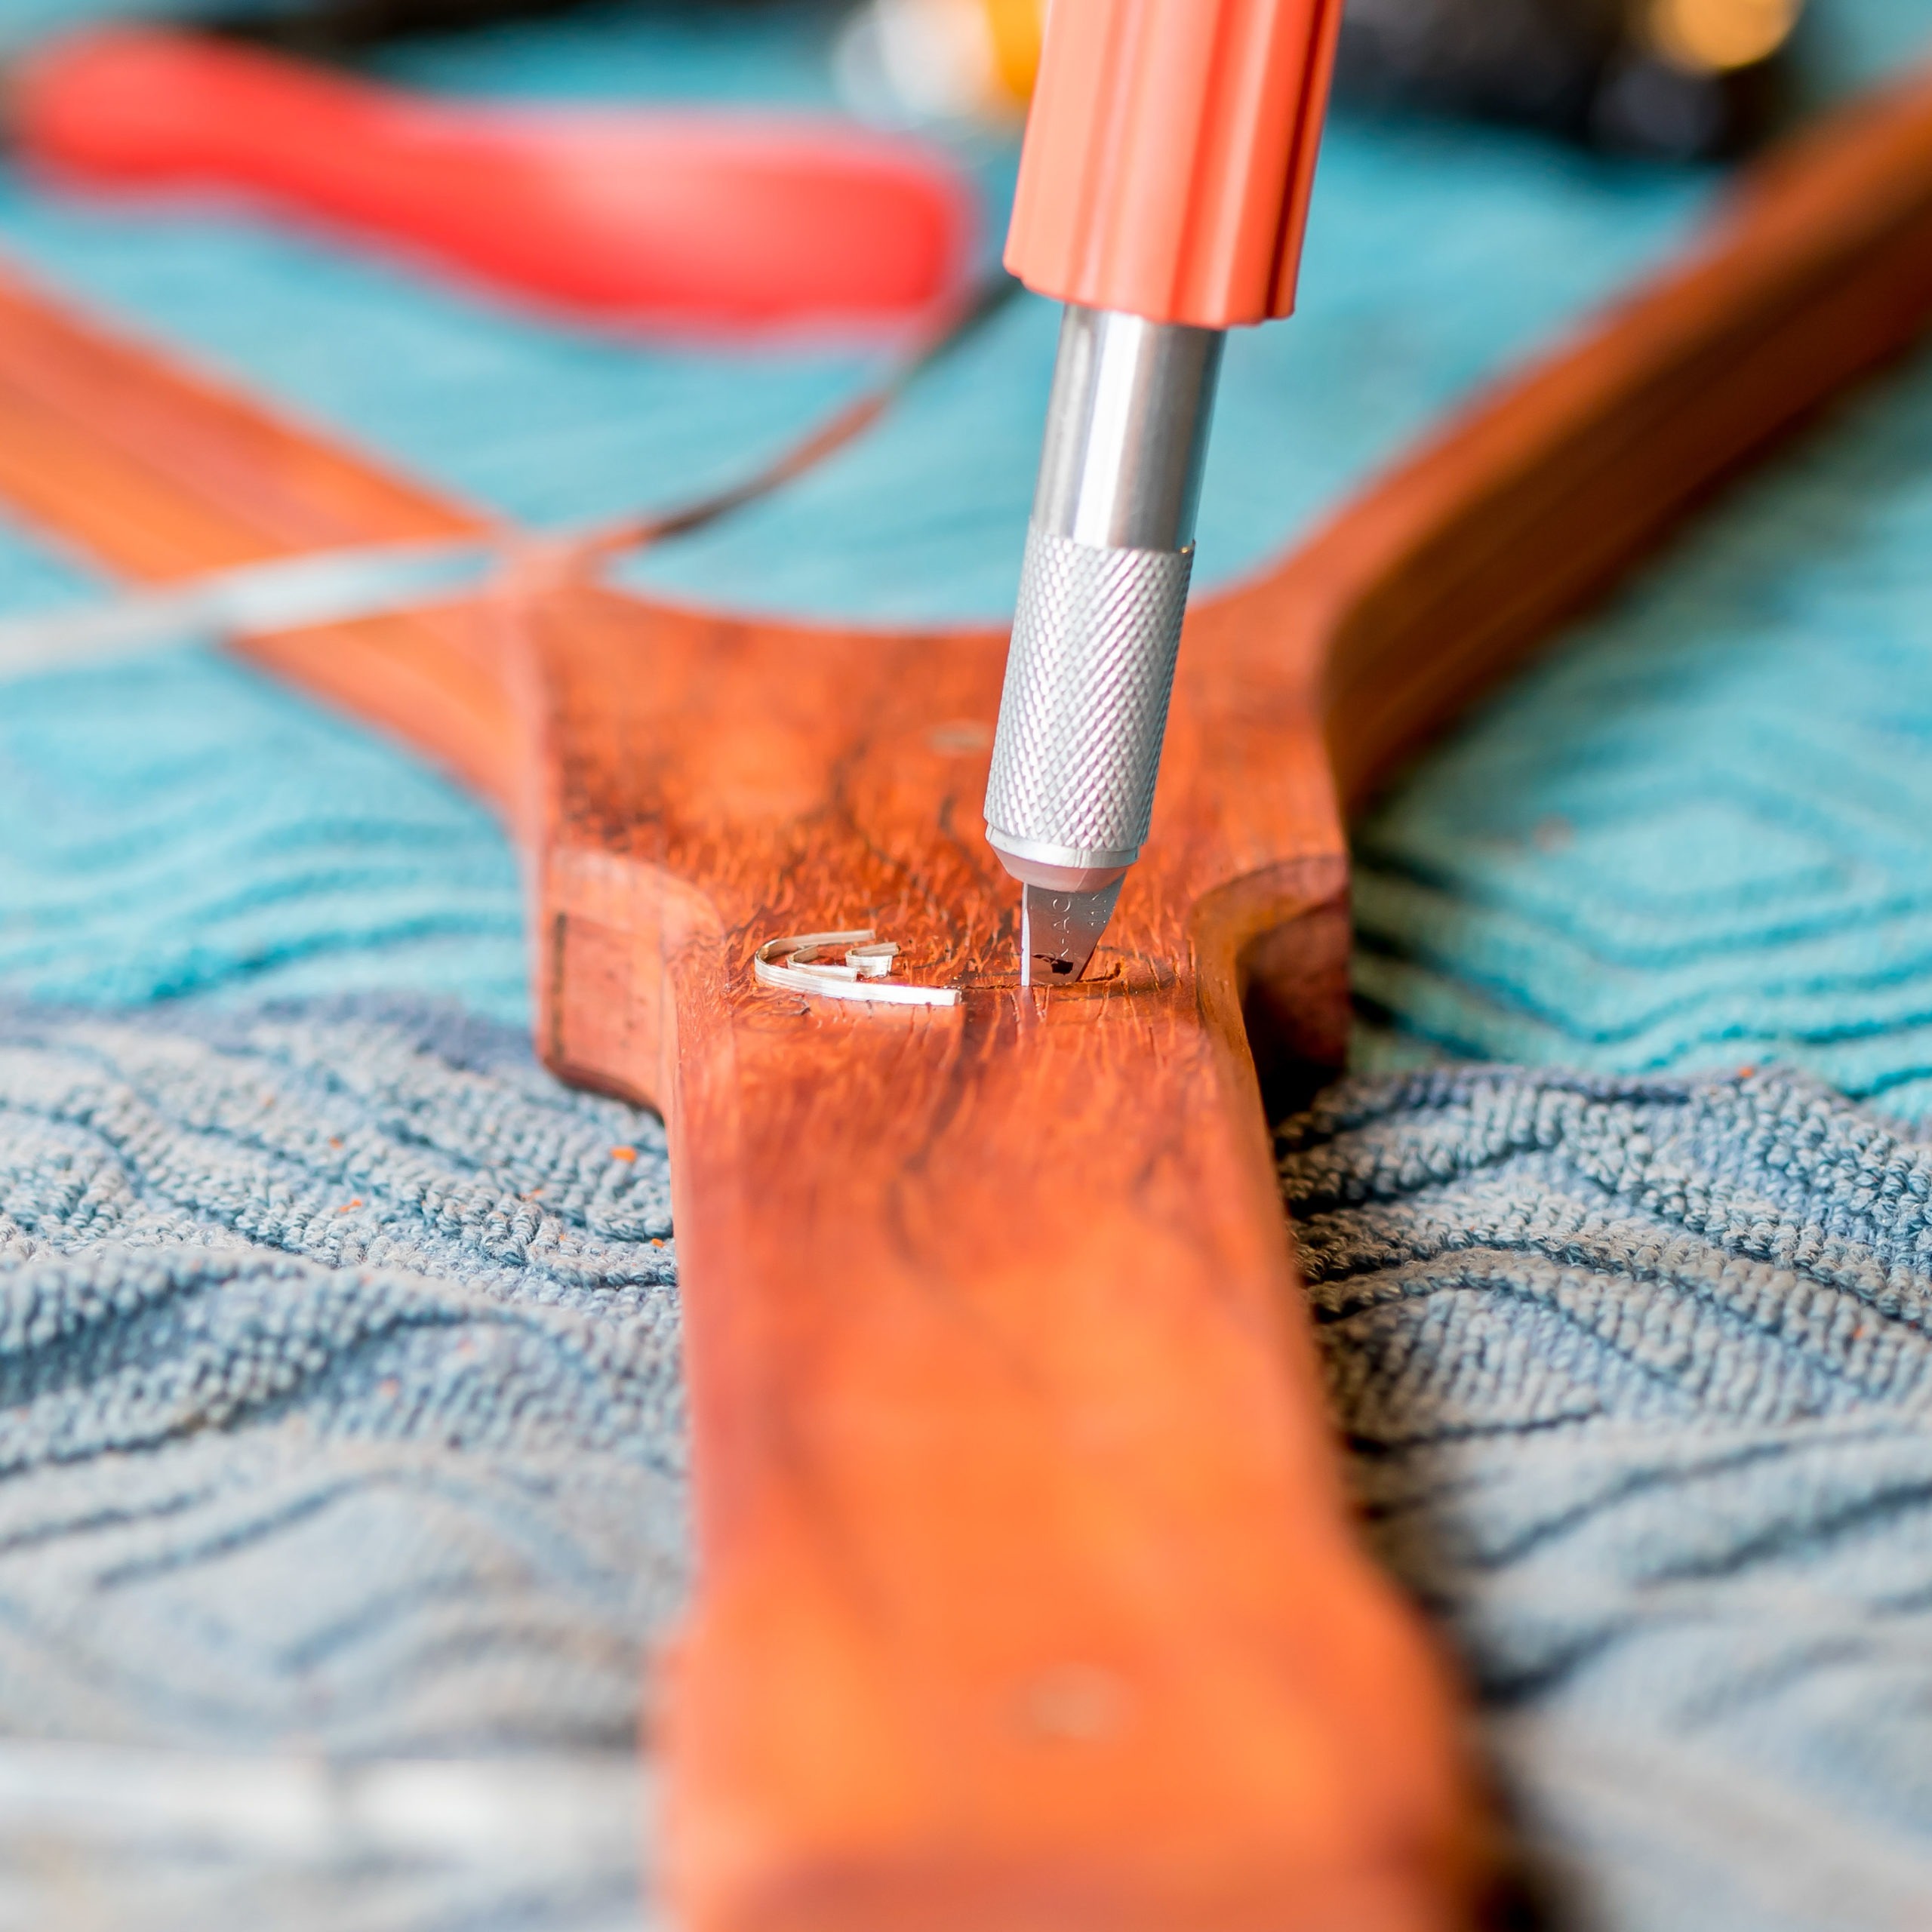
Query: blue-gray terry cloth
x=342 y=1472
x=290 y=1300
x=1695 y=833
x=340 y=1420
x=1637 y=1378
x=344 y=1476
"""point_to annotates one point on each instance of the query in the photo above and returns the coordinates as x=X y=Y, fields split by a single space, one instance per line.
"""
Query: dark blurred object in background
x=1680 y=79
x=339 y=29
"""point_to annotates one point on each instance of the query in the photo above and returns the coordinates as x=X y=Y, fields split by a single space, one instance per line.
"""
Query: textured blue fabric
x=177 y=826
x=1637 y=1375
x=1696 y=834
x=103 y=1838
x=365 y=1329
x=340 y=1419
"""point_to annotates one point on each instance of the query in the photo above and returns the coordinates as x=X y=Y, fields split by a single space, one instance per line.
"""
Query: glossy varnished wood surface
x=1030 y=1597
x=1028 y=1593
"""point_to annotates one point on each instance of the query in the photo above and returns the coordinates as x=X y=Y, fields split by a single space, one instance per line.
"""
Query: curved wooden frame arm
x=1028 y=1591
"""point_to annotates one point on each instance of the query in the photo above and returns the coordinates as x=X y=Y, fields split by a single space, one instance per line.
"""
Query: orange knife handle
x=1170 y=154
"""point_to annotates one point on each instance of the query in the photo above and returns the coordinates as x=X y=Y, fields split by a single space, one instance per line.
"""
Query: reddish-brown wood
x=1029 y=1596
x=160 y=474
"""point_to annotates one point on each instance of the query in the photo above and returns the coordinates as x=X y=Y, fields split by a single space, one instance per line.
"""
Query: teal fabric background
x=342 y=1474
x=1695 y=835
x=1437 y=254
x=178 y=827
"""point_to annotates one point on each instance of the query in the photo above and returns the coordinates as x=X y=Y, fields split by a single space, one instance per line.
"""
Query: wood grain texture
x=1030 y=1596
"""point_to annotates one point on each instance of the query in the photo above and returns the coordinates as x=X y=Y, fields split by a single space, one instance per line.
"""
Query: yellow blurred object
x=920 y=60
x=1716 y=36
x=936 y=60
x=1016 y=27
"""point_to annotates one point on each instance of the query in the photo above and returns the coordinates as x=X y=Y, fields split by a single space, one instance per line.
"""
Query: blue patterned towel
x=1637 y=1374
x=178 y=828
x=1696 y=834
x=340 y=1421
x=340 y=1344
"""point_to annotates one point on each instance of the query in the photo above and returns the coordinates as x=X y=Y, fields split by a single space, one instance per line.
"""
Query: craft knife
x=1163 y=193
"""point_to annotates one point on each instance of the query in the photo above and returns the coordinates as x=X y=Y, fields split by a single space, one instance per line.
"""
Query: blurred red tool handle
x=684 y=221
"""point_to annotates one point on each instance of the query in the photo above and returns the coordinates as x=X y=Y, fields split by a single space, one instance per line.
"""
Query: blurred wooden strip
x=158 y=474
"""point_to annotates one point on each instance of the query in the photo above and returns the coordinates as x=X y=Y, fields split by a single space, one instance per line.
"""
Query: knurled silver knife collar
x=1102 y=592
x=1084 y=708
